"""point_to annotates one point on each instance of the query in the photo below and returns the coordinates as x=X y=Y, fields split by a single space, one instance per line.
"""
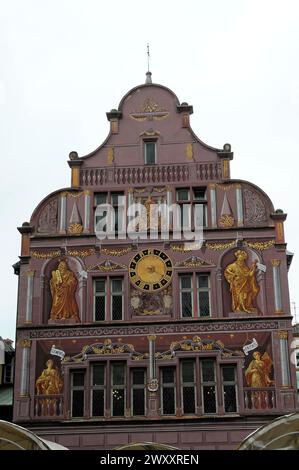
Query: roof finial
x=148 y=73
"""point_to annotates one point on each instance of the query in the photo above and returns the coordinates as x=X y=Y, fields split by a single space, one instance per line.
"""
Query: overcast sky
x=64 y=63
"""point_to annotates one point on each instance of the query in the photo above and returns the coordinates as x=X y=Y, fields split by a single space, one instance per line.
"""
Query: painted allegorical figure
x=49 y=382
x=63 y=285
x=257 y=375
x=243 y=284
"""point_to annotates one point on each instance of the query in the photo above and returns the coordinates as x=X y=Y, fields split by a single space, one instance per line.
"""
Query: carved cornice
x=173 y=328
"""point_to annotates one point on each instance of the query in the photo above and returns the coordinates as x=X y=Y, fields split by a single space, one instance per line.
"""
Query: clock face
x=151 y=270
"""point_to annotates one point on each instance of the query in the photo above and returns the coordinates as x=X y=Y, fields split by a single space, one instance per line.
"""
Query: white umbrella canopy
x=280 y=434
x=14 y=437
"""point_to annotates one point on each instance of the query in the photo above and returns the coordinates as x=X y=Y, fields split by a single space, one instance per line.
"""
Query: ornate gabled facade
x=131 y=339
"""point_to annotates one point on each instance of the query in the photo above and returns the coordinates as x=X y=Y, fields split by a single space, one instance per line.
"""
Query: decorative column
x=277 y=285
x=30 y=279
x=24 y=386
x=153 y=383
x=86 y=227
x=240 y=213
x=75 y=163
x=113 y=117
x=284 y=358
x=213 y=205
x=226 y=155
x=62 y=212
x=25 y=231
x=279 y=217
x=185 y=110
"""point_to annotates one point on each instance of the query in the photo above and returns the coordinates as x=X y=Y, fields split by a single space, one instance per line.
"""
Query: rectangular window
x=297 y=359
x=186 y=295
x=150 y=153
x=115 y=220
x=168 y=397
x=200 y=206
x=117 y=298
x=208 y=386
x=99 y=299
x=138 y=392
x=229 y=388
x=98 y=389
x=8 y=372
x=77 y=393
x=203 y=295
x=118 y=383
x=108 y=299
x=192 y=207
x=188 y=386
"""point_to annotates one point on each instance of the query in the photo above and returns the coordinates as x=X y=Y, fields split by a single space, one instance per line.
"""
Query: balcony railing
x=259 y=399
x=204 y=171
x=50 y=406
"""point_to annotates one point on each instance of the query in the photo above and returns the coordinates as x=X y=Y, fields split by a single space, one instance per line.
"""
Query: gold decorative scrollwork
x=116 y=251
x=106 y=266
x=45 y=254
x=226 y=221
x=25 y=343
x=81 y=253
x=217 y=246
x=185 y=248
x=75 y=229
x=282 y=334
x=261 y=245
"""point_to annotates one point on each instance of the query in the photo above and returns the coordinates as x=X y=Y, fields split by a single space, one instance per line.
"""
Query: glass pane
x=117 y=285
x=208 y=373
x=188 y=400
x=138 y=402
x=98 y=376
x=188 y=371
x=168 y=401
x=100 y=198
x=100 y=307
x=209 y=399
x=98 y=403
x=117 y=307
x=118 y=402
x=182 y=194
x=138 y=376
x=78 y=379
x=168 y=375
x=118 y=374
x=199 y=193
x=150 y=153
x=228 y=373
x=100 y=285
x=297 y=358
x=186 y=304
x=230 y=401
x=185 y=282
x=203 y=280
x=117 y=199
x=78 y=403
x=204 y=304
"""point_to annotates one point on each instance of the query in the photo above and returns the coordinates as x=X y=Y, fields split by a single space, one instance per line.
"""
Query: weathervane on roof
x=148 y=73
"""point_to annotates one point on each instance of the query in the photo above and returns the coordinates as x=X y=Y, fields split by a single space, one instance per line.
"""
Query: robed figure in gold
x=243 y=284
x=63 y=285
x=49 y=382
x=257 y=375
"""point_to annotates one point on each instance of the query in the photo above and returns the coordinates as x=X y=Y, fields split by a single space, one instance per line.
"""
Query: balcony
x=156 y=174
x=48 y=406
x=259 y=399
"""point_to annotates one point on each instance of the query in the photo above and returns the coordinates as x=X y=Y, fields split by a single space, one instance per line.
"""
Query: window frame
x=209 y=383
x=118 y=387
x=192 y=201
x=188 y=384
x=98 y=387
x=229 y=383
x=109 y=294
x=75 y=388
x=145 y=143
x=167 y=385
x=138 y=387
x=194 y=289
x=112 y=221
